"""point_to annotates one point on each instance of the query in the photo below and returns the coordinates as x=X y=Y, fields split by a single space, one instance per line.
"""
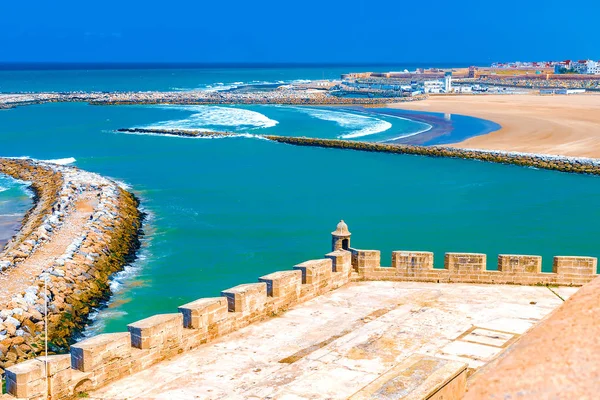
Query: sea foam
x=216 y=116
x=61 y=161
x=360 y=125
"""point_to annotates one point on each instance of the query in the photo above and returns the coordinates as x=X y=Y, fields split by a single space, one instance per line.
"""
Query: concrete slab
x=336 y=344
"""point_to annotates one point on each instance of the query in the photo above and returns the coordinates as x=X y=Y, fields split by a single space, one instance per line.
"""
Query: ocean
x=15 y=200
x=225 y=211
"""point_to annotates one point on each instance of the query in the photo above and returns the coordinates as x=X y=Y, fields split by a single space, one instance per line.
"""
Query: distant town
x=549 y=77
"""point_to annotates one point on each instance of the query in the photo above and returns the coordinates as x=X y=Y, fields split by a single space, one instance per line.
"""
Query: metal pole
x=46 y=333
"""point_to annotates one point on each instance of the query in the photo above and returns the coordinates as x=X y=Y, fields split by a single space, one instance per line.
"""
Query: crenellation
x=155 y=331
x=465 y=263
x=97 y=361
x=202 y=313
x=574 y=265
x=412 y=263
x=247 y=299
x=26 y=380
x=471 y=268
x=316 y=272
x=283 y=284
x=364 y=261
x=519 y=264
x=341 y=261
x=90 y=354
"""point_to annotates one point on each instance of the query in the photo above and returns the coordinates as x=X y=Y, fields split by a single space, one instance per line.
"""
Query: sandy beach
x=560 y=125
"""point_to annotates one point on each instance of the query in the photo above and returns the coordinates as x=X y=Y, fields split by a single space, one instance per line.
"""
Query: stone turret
x=340 y=238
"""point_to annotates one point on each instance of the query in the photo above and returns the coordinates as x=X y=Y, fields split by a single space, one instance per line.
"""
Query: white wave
x=426 y=128
x=214 y=116
x=361 y=125
x=61 y=161
x=221 y=87
x=12 y=215
x=3 y=189
x=179 y=89
x=410 y=134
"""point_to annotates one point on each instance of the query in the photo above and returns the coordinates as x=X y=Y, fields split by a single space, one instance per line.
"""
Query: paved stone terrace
x=334 y=345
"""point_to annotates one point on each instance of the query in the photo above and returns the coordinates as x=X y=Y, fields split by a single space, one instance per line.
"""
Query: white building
x=448 y=82
x=590 y=67
x=433 y=86
x=462 y=89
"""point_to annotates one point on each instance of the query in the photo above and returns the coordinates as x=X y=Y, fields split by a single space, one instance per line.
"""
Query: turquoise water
x=15 y=200
x=226 y=211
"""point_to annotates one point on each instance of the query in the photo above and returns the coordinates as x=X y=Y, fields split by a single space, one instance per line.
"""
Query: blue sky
x=295 y=31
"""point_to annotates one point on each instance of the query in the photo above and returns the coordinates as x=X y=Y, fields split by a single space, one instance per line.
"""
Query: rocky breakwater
x=552 y=162
x=177 y=132
x=579 y=165
x=82 y=229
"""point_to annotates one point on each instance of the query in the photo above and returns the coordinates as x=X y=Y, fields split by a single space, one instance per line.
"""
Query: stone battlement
x=105 y=358
x=471 y=268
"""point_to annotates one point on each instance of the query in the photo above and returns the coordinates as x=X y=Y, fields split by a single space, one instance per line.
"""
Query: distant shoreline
x=554 y=125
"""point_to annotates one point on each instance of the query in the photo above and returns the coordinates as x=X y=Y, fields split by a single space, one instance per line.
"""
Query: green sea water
x=222 y=212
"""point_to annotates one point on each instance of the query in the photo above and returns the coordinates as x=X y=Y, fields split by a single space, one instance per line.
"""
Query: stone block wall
x=365 y=260
x=99 y=360
x=471 y=268
x=104 y=358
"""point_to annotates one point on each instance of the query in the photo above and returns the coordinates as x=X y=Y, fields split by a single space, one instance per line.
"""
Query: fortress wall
x=471 y=268
x=105 y=358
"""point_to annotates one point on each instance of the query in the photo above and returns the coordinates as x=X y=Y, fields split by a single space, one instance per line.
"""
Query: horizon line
x=8 y=65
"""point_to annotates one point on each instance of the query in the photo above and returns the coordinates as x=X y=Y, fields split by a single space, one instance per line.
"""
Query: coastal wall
x=100 y=360
x=471 y=268
x=75 y=263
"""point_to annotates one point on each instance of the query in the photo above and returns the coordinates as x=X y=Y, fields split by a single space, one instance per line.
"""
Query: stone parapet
x=99 y=360
x=248 y=298
x=471 y=268
x=283 y=284
x=364 y=261
x=341 y=261
x=157 y=330
x=202 y=313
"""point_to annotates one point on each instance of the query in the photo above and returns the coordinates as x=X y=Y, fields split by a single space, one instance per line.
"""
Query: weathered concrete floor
x=332 y=346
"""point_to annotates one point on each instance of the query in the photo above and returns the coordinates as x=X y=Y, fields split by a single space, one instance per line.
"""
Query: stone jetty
x=287 y=96
x=579 y=165
x=81 y=229
x=177 y=132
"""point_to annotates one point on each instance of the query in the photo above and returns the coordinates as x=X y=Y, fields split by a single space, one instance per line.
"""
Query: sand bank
x=561 y=125
x=82 y=228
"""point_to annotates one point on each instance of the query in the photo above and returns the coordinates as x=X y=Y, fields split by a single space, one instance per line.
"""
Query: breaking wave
x=215 y=117
x=360 y=125
x=62 y=161
x=222 y=87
